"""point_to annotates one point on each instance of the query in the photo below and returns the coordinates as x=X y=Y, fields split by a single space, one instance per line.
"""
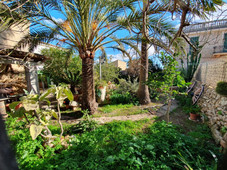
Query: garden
x=91 y=114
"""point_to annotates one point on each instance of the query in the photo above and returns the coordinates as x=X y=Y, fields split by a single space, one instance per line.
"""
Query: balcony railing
x=206 y=26
x=220 y=49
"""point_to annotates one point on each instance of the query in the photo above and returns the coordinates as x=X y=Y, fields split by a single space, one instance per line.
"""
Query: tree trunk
x=88 y=89
x=143 y=91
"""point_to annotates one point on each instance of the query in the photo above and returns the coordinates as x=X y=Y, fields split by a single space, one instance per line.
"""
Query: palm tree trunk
x=143 y=91
x=88 y=89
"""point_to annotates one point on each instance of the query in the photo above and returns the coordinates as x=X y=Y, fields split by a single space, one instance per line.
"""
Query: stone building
x=212 y=69
x=22 y=63
x=213 y=37
x=121 y=64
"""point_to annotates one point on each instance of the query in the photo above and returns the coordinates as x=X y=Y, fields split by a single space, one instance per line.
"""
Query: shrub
x=87 y=124
x=128 y=86
x=184 y=100
x=222 y=88
x=117 y=98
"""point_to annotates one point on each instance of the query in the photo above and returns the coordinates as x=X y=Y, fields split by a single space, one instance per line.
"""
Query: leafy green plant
x=192 y=109
x=86 y=124
x=63 y=67
x=128 y=86
x=37 y=118
x=170 y=76
x=117 y=98
x=220 y=112
x=221 y=88
x=184 y=100
x=223 y=129
x=109 y=72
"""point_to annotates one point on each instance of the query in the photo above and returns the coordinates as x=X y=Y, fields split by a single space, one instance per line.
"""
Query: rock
x=216 y=134
x=74 y=103
x=223 y=144
x=213 y=121
x=225 y=137
x=223 y=102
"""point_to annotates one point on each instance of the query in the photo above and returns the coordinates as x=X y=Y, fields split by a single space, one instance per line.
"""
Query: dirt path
x=152 y=113
x=103 y=120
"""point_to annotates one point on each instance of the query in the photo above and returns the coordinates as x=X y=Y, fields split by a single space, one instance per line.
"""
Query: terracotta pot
x=194 y=116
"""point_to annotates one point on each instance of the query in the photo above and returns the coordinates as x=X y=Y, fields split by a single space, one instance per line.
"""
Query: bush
x=87 y=124
x=184 y=100
x=222 y=88
x=127 y=98
x=128 y=86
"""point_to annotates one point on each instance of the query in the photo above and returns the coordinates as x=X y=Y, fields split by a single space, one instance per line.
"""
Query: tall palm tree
x=86 y=27
x=150 y=29
x=141 y=21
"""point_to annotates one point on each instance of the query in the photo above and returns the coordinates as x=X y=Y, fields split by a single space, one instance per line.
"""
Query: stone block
x=225 y=137
x=223 y=144
x=216 y=134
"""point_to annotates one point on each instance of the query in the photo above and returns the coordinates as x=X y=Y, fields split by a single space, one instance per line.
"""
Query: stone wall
x=212 y=72
x=214 y=107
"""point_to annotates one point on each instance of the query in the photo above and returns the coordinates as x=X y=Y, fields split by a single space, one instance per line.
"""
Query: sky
x=116 y=55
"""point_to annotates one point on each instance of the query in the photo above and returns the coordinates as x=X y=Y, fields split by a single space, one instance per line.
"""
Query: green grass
x=119 y=110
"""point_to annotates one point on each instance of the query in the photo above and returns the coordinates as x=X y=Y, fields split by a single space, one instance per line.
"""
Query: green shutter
x=225 y=43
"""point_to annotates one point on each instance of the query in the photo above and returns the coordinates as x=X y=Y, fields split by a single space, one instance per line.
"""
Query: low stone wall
x=214 y=106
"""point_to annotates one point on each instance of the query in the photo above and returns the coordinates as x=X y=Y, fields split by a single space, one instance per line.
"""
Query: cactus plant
x=193 y=61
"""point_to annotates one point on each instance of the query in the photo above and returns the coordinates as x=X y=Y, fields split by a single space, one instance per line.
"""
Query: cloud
x=49 y=22
x=132 y=53
x=114 y=57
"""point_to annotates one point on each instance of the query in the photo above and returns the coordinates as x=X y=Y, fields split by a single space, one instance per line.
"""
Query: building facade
x=212 y=36
x=121 y=64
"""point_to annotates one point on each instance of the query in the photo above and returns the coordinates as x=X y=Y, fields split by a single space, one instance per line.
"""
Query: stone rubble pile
x=214 y=107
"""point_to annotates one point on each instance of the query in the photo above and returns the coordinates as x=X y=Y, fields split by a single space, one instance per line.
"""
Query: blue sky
x=220 y=14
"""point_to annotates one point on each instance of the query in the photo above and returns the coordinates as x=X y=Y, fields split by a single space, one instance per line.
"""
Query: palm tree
x=150 y=29
x=9 y=14
x=143 y=22
x=86 y=27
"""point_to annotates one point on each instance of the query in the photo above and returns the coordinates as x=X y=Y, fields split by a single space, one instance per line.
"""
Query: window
x=195 y=42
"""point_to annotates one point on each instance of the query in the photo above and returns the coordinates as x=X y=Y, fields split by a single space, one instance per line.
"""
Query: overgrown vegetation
x=117 y=145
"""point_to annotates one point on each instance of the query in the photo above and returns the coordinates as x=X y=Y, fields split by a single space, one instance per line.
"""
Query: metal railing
x=206 y=26
x=220 y=49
